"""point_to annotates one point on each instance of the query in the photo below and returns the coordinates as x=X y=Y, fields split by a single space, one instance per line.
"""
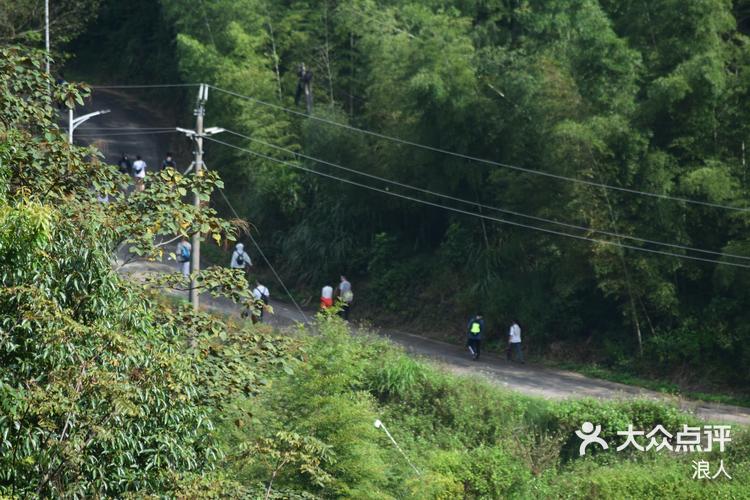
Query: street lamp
x=380 y=425
x=74 y=122
x=192 y=135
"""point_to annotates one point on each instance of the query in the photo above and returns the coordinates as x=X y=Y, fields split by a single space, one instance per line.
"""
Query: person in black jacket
x=168 y=162
x=304 y=86
x=125 y=165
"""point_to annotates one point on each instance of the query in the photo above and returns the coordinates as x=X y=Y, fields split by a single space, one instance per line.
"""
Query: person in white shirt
x=139 y=173
x=240 y=259
x=514 y=342
x=183 y=256
x=326 y=297
x=261 y=297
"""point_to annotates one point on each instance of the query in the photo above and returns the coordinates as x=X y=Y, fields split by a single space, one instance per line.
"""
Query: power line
x=477 y=159
x=263 y=255
x=474 y=214
x=434 y=149
x=115 y=134
x=488 y=207
x=145 y=86
x=86 y=127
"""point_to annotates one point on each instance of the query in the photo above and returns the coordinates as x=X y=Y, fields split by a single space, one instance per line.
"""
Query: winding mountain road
x=527 y=379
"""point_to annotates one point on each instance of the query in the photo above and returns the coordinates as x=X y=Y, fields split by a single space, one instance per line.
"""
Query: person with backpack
x=168 y=162
x=474 y=335
x=240 y=259
x=514 y=342
x=346 y=297
x=139 y=173
x=261 y=297
x=183 y=255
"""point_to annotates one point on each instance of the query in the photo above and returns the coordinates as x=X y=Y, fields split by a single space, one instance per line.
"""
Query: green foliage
x=663 y=479
x=103 y=391
x=21 y=22
x=304 y=454
x=397 y=377
x=467 y=438
x=645 y=97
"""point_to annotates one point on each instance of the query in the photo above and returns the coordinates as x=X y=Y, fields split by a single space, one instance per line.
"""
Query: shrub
x=396 y=377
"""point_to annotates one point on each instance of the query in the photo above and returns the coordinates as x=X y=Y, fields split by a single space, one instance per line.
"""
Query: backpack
x=476 y=328
x=240 y=260
x=263 y=296
x=184 y=253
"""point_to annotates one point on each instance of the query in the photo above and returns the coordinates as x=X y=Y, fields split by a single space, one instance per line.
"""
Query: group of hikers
x=138 y=167
x=261 y=295
x=475 y=329
x=239 y=260
x=343 y=296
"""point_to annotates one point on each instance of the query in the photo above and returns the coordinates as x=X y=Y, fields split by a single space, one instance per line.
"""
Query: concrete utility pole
x=74 y=122
x=195 y=252
x=198 y=134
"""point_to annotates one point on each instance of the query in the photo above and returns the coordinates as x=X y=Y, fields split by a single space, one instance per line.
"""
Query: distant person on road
x=125 y=165
x=183 y=256
x=474 y=335
x=346 y=297
x=240 y=259
x=326 y=298
x=261 y=297
x=168 y=162
x=514 y=342
x=139 y=172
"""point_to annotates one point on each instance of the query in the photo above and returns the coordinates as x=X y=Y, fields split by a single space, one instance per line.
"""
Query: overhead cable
x=263 y=256
x=475 y=214
x=477 y=159
x=481 y=205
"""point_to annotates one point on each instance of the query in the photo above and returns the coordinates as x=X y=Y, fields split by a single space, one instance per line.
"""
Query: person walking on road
x=261 y=297
x=124 y=164
x=240 y=259
x=139 y=172
x=346 y=297
x=514 y=342
x=474 y=335
x=168 y=162
x=183 y=256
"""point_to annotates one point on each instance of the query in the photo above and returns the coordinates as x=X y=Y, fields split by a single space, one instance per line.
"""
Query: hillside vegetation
x=108 y=390
x=645 y=96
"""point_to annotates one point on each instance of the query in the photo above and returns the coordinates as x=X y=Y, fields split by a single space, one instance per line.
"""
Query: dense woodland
x=647 y=96
x=109 y=388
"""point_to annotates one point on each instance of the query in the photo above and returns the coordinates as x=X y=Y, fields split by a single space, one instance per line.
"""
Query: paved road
x=527 y=379
x=124 y=129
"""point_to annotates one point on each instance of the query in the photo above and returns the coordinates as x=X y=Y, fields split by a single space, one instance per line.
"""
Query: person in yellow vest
x=474 y=335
